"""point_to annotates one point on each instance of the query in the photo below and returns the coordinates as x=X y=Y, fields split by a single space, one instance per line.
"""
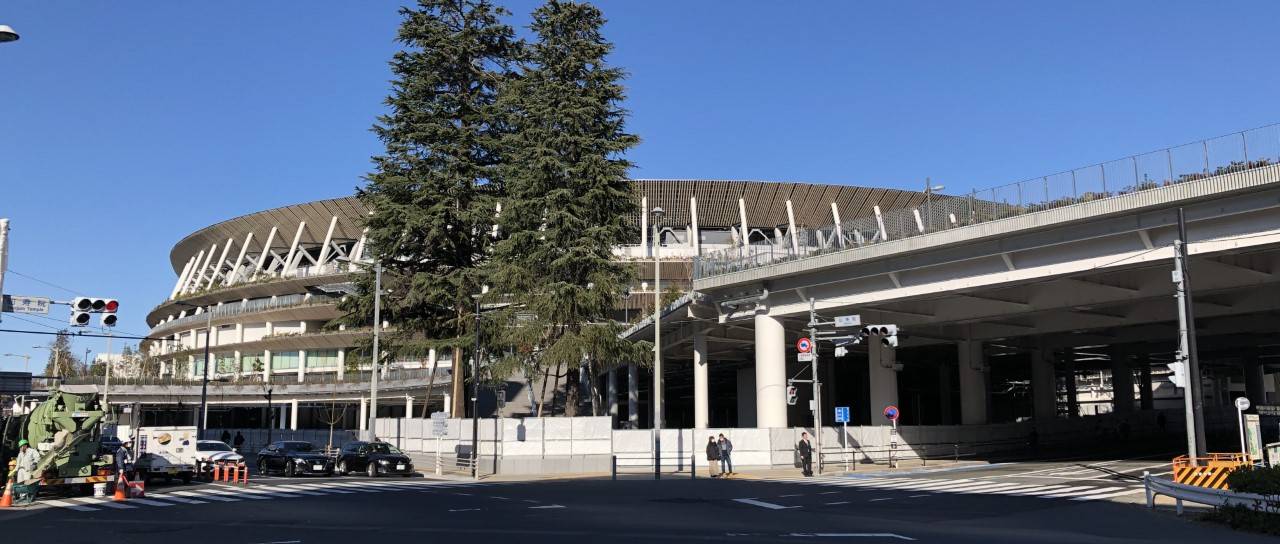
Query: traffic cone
x=122 y=487
x=7 y=500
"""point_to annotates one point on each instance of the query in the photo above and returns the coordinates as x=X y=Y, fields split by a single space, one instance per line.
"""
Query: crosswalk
x=254 y=492
x=1064 y=491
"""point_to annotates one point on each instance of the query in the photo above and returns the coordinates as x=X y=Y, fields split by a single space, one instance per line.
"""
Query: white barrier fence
x=1202 y=495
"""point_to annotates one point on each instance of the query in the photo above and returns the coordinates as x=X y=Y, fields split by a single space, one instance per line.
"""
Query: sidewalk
x=913 y=466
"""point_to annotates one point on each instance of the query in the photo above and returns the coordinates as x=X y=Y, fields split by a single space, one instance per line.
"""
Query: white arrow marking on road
x=763 y=504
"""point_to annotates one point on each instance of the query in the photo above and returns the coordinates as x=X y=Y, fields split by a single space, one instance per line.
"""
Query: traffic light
x=791 y=395
x=888 y=334
x=841 y=351
x=81 y=307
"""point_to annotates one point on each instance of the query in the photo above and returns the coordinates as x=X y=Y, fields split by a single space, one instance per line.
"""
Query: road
x=1065 y=501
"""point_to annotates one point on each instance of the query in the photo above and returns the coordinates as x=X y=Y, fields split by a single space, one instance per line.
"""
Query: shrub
x=1249 y=479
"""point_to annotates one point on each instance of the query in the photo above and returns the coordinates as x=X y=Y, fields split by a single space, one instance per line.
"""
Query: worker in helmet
x=124 y=460
x=27 y=461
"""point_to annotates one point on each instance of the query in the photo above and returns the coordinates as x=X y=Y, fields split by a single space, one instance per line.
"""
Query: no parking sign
x=891 y=412
x=803 y=345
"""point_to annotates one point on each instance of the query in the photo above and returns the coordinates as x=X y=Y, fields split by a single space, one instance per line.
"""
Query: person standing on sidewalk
x=806 y=455
x=713 y=456
x=726 y=448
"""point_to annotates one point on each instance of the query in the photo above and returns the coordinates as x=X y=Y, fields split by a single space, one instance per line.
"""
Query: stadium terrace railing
x=1228 y=154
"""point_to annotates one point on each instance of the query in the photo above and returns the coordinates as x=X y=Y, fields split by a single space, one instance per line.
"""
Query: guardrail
x=1236 y=152
x=1202 y=495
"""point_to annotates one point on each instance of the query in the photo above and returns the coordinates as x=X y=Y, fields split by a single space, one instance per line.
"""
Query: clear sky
x=126 y=125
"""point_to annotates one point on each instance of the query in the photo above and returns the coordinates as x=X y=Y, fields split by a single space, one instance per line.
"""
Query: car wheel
x=373 y=469
x=342 y=468
x=289 y=470
x=262 y=467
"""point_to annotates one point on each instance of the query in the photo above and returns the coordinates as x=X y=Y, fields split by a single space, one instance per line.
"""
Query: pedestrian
x=713 y=457
x=806 y=455
x=726 y=462
x=27 y=461
x=226 y=436
x=124 y=459
x=239 y=441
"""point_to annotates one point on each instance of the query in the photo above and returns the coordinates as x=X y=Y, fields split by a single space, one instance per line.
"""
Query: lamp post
x=929 y=189
x=658 y=213
x=7 y=34
x=204 y=371
x=374 y=366
x=26 y=361
x=57 y=358
x=475 y=396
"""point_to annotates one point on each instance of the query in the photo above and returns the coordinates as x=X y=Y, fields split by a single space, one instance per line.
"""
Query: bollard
x=614 y=468
x=216 y=474
x=693 y=467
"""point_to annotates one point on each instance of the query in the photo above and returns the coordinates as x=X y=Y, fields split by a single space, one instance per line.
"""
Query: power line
x=82 y=334
x=33 y=278
x=35 y=322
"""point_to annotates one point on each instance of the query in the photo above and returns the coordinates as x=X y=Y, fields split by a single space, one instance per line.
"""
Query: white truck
x=166 y=452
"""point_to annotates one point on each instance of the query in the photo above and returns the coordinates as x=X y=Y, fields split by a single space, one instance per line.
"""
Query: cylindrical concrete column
x=364 y=414
x=771 y=372
x=1254 y=387
x=882 y=381
x=293 y=414
x=1146 y=391
x=1121 y=381
x=973 y=383
x=408 y=406
x=1044 y=385
x=633 y=396
x=701 y=395
x=611 y=396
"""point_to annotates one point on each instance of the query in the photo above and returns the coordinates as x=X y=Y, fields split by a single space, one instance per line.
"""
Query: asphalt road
x=1025 y=502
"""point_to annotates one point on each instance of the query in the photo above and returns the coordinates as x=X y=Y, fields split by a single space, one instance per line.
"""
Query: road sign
x=804 y=357
x=891 y=412
x=22 y=304
x=848 y=320
x=440 y=424
x=1242 y=403
x=803 y=345
x=842 y=414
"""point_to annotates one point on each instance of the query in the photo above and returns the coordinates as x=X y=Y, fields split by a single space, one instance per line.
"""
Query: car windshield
x=212 y=446
x=382 y=448
x=297 y=446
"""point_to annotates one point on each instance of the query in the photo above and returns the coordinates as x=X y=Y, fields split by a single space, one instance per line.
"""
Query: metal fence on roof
x=1227 y=154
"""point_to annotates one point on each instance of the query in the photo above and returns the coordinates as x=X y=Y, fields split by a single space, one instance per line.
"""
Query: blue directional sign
x=842 y=414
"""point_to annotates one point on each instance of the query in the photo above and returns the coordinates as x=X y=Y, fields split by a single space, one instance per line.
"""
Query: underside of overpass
x=1064 y=320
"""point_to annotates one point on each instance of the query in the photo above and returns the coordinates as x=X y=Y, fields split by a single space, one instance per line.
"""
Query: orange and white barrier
x=1209 y=471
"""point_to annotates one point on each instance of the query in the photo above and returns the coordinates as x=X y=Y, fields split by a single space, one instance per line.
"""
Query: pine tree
x=434 y=191
x=62 y=361
x=568 y=201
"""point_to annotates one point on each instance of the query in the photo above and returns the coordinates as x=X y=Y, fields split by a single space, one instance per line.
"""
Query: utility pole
x=657 y=345
x=204 y=378
x=475 y=396
x=4 y=237
x=373 y=375
x=817 y=388
x=106 y=381
x=1187 y=322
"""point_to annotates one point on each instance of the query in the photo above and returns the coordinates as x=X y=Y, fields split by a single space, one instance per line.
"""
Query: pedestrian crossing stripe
x=972 y=486
x=227 y=493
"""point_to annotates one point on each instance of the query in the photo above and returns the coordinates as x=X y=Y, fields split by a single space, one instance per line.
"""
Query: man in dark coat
x=806 y=454
x=713 y=457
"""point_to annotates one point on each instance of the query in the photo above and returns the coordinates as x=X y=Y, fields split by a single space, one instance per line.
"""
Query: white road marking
x=109 y=503
x=169 y=497
x=828 y=493
x=1035 y=488
x=69 y=506
x=837 y=502
x=1062 y=492
x=210 y=496
x=881 y=499
x=791 y=495
x=918 y=496
x=464 y=509
x=763 y=504
x=150 y=502
x=546 y=507
x=853 y=535
x=1108 y=495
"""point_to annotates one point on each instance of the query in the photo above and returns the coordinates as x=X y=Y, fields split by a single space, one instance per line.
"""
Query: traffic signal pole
x=817 y=387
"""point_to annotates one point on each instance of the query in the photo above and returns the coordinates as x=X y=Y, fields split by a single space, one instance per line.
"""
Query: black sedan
x=293 y=458
x=374 y=459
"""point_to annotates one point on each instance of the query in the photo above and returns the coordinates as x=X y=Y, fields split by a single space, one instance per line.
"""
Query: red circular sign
x=803 y=345
x=891 y=412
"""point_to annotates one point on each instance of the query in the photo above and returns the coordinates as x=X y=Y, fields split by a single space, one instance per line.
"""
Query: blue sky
x=127 y=125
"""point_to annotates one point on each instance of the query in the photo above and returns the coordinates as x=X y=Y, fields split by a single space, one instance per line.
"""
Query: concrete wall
x=588 y=444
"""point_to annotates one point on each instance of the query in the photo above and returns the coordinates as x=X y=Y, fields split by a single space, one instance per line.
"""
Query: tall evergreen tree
x=568 y=199
x=434 y=191
x=62 y=360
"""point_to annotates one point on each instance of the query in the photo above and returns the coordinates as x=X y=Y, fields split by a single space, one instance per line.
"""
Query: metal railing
x=245 y=307
x=1202 y=495
x=308 y=378
x=1228 y=154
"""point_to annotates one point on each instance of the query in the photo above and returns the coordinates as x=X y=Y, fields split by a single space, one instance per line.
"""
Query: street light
x=929 y=189
x=658 y=213
x=26 y=360
x=204 y=379
x=57 y=359
x=7 y=34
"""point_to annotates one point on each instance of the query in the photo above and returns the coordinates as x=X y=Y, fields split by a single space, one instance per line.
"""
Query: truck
x=166 y=452
x=65 y=430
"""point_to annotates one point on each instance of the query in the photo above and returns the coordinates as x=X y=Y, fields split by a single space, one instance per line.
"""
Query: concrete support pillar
x=882 y=380
x=973 y=383
x=1254 y=388
x=1146 y=390
x=701 y=395
x=1069 y=372
x=302 y=365
x=1121 y=382
x=611 y=396
x=342 y=362
x=633 y=396
x=266 y=366
x=771 y=372
x=746 y=398
x=946 y=414
x=293 y=414
x=364 y=414
x=1044 y=385
x=408 y=406
x=1275 y=388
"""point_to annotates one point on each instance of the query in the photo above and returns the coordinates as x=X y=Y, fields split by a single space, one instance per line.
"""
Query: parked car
x=210 y=452
x=293 y=458
x=374 y=459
